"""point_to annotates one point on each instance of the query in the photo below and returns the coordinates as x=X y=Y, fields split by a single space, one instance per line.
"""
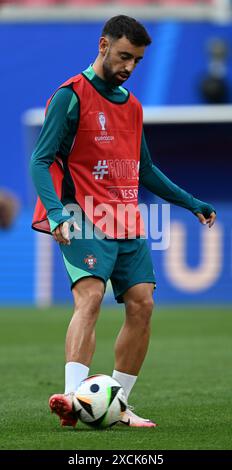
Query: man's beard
x=110 y=77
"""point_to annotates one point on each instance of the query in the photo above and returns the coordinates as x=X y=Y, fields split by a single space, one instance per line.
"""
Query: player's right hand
x=62 y=233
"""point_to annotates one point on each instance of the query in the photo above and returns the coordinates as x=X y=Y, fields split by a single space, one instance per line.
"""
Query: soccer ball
x=102 y=401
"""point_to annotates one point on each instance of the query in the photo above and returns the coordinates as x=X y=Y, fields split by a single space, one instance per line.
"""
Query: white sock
x=75 y=372
x=126 y=381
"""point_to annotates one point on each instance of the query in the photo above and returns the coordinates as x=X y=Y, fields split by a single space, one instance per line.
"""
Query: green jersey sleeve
x=58 y=125
x=153 y=179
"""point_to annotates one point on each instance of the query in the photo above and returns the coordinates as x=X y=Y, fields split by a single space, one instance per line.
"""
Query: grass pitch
x=185 y=384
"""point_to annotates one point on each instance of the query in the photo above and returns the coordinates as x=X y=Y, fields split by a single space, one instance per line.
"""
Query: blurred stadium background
x=185 y=86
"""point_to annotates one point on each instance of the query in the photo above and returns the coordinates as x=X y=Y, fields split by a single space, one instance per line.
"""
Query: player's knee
x=146 y=308
x=94 y=298
x=140 y=309
x=88 y=294
x=89 y=300
x=148 y=305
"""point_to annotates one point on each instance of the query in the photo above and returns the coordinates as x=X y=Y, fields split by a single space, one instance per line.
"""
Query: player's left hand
x=210 y=221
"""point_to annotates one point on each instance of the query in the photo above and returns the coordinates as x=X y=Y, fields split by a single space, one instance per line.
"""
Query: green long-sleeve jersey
x=57 y=136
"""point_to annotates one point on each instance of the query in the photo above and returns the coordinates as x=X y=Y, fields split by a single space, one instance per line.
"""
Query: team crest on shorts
x=90 y=260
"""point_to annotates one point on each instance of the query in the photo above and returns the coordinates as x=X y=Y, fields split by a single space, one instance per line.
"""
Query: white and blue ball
x=101 y=401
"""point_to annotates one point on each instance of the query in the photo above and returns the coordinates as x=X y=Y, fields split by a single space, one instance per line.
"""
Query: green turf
x=185 y=384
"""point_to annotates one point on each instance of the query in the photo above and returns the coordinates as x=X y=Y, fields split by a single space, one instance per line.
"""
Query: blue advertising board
x=196 y=268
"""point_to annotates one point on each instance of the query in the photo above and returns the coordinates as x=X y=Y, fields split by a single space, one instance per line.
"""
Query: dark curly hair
x=122 y=25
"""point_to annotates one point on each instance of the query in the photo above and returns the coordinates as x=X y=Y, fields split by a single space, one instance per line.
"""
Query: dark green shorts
x=124 y=262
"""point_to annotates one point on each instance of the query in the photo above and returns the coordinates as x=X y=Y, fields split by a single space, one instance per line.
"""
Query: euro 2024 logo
x=102 y=120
